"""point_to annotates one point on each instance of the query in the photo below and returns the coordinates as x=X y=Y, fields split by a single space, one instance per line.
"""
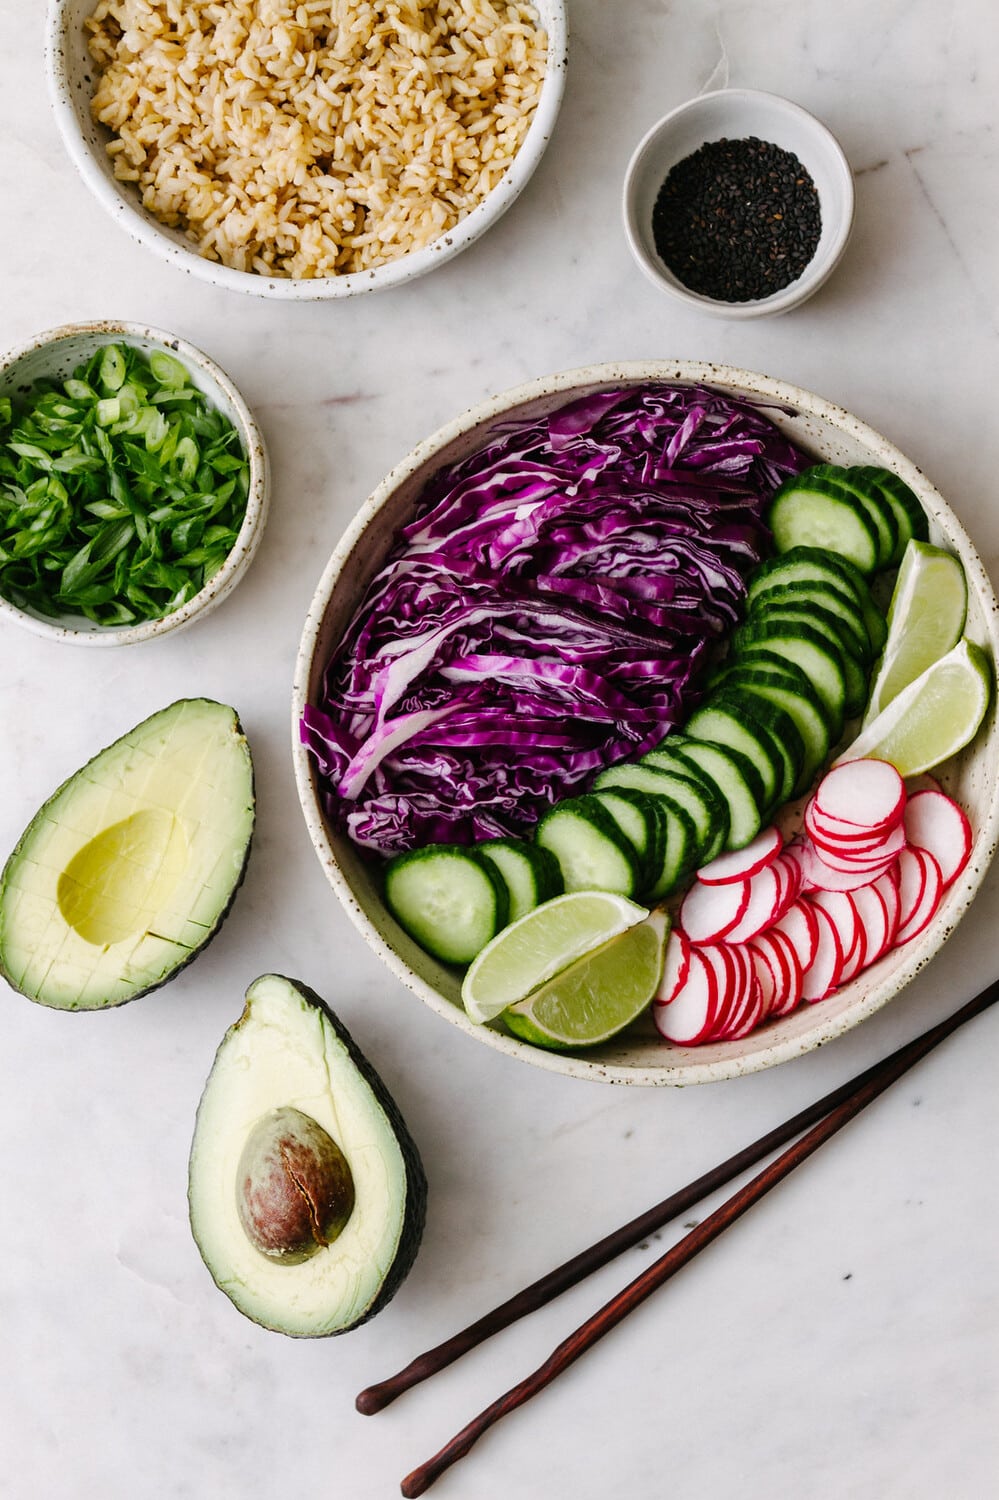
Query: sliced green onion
x=121 y=491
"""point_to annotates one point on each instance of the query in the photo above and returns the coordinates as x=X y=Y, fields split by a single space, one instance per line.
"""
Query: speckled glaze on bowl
x=55 y=355
x=639 y=1056
x=70 y=71
x=735 y=114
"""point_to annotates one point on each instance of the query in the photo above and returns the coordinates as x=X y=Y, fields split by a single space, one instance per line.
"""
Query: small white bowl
x=55 y=355
x=735 y=114
x=639 y=1056
x=71 y=74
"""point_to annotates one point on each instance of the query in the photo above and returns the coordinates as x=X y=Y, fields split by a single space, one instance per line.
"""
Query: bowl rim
x=813 y=277
x=147 y=232
x=688 y=1068
x=257 y=501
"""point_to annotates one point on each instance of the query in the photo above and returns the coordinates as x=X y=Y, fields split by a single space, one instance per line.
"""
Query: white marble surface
x=843 y=1340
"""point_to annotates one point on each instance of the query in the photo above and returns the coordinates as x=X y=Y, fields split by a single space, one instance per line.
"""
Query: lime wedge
x=539 y=944
x=933 y=717
x=925 y=620
x=597 y=996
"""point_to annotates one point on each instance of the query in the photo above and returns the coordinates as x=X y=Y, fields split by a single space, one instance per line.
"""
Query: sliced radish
x=689 y=1017
x=865 y=793
x=777 y=950
x=708 y=912
x=819 y=875
x=912 y=874
x=771 y=977
x=840 y=906
x=736 y=994
x=753 y=1012
x=823 y=973
x=934 y=821
x=887 y=888
x=799 y=926
x=767 y=891
x=874 y=918
x=869 y=862
x=675 y=964
x=740 y=864
x=929 y=900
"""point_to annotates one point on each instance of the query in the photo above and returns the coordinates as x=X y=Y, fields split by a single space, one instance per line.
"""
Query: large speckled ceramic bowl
x=71 y=76
x=639 y=1056
x=54 y=355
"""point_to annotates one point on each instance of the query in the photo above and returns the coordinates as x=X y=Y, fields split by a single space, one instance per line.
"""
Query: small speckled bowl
x=639 y=1056
x=54 y=355
x=71 y=84
x=734 y=114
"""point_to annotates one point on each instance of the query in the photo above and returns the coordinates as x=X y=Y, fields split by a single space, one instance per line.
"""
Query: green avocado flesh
x=289 y=1056
x=130 y=868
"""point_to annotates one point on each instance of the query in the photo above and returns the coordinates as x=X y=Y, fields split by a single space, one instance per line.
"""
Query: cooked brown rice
x=320 y=137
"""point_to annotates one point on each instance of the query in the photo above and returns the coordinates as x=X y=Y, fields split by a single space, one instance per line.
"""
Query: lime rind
x=539 y=945
x=934 y=717
x=926 y=619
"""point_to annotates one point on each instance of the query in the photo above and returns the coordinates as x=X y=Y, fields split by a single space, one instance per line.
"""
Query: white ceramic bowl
x=71 y=82
x=55 y=355
x=639 y=1056
x=734 y=114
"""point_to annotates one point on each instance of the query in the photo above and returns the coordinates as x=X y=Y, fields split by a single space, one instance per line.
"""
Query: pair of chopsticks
x=818 y=1121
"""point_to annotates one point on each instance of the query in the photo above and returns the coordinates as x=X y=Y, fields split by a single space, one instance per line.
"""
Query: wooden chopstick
x=834 y=1111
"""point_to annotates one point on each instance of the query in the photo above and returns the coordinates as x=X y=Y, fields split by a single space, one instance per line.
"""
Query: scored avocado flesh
x=288 y=1050
x=129 y=869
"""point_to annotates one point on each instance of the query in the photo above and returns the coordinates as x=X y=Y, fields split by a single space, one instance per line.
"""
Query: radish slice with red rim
x=865 y=793
x=688 y=1018
x=888 y=889
x=929 y=899
x=933 y=821
x=874 y=918
x=912 y=872
x=708 y=912
x=778 y=952
x=823 y=973
x=799 y=926
x=767 y=891
x=676 y=962
x=740 y=864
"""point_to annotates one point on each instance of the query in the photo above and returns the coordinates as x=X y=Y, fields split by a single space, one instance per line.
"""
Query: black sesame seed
x=737 y=220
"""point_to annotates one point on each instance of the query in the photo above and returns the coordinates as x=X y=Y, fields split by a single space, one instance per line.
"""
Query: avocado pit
x=294 y=1188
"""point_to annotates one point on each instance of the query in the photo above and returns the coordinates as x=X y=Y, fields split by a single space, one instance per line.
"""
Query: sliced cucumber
x=809 y=510
x=726 y=719
x=856 y=674
x=803 y=564
x=449 y=899
x=637 y=816
x=831 y=611
x=706 y=809
x=776 y=723
x=788 y=688
x=909 y=514
x=592 y=852
x=871 y=499
x=531 y=874
x=813 y=653
x=679 y=849
x=735 y=778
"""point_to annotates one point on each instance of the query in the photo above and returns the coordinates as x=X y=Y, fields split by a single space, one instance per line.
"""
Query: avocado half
x=289 y=1057
x=130 y=868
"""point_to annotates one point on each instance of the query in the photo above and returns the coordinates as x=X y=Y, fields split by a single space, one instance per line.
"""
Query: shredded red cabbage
x=545 y=613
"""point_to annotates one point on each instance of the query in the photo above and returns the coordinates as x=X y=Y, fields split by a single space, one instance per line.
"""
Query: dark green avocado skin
x=415 y=1217
x=172 y=973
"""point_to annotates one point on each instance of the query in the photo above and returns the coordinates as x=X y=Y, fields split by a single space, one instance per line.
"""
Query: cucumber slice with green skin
x=705 y=807
x=856 y=674
x=775 y=723
x=735 y=778
x=679 y=849
x=871 y=499
x=449 y=899
x=809 y=650
x=810 y=511
x=531 y=874
x=909 y=514
x=763 y=735
x=592 y=852
x=638 y=819
x=803 y=564
x=790 y=690
x=832 y=612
